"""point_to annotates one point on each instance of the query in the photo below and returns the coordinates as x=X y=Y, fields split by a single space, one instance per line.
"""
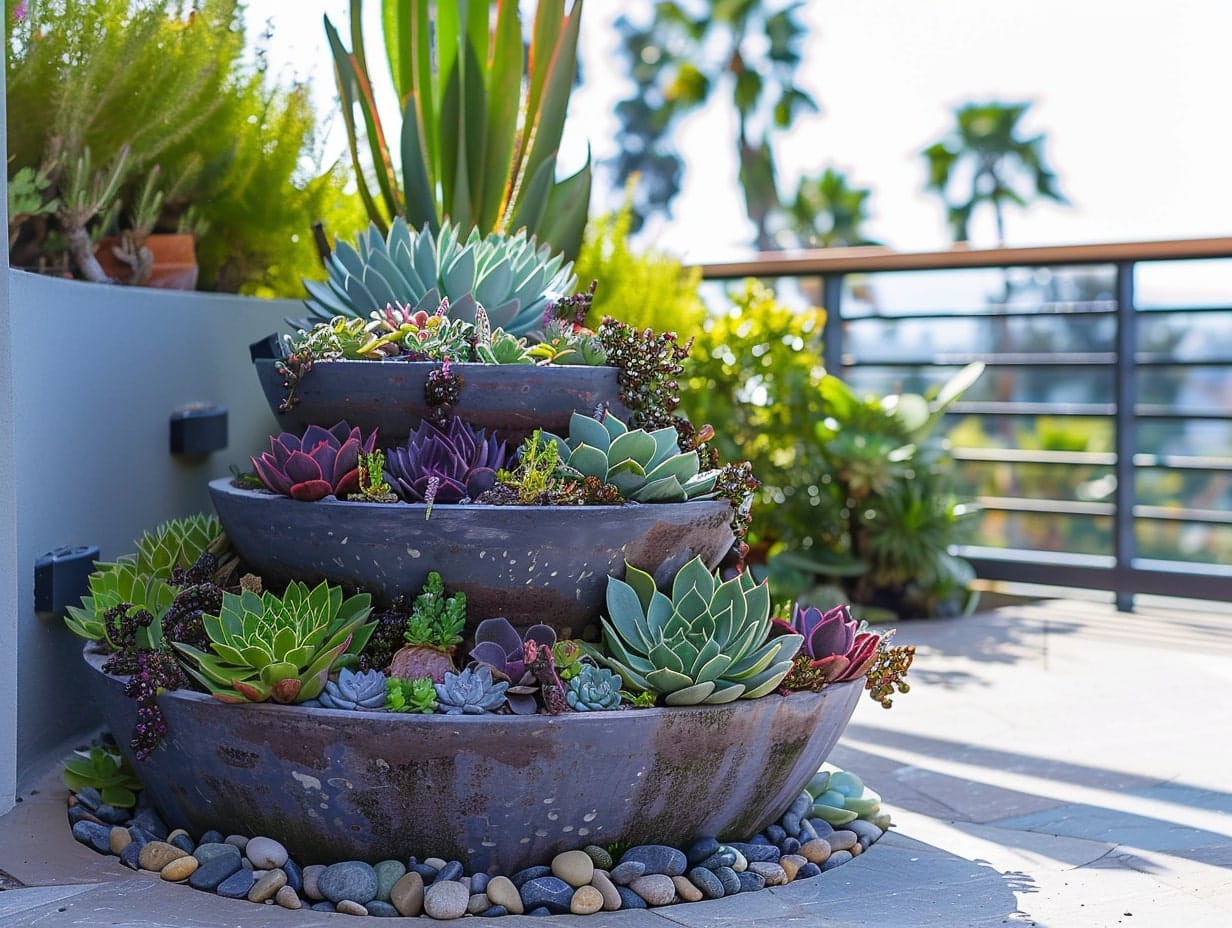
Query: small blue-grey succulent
x=471 y=692
x=593 y=689
x=365 y=690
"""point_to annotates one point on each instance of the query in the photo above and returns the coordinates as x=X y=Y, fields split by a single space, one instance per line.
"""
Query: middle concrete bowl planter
x=530 y=564
x=498 y=792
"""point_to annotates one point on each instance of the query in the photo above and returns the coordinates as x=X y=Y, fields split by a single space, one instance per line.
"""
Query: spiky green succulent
x=140 y=578
x=646 y=467
x=593 y=689
x=706 y=643
x=511 y=276
x=105 y=769
x=278 y=647
x=418 y=695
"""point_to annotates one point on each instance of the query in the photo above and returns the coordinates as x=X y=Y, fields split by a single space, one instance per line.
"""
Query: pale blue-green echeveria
x=706 y=643
x=280 y=648
x=646 y=467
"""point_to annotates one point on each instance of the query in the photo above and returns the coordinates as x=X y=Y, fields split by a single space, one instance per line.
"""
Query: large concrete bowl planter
x=389 y=395
x=528 y=563
x=498 y=792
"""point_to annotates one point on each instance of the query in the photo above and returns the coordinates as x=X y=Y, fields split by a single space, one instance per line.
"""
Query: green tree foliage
x=690 y=53
x=827 y=211
x=984 y=159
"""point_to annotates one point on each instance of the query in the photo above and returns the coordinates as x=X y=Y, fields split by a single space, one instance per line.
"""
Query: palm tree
x=691 y=51
x=1003 y=166
x=828 y=211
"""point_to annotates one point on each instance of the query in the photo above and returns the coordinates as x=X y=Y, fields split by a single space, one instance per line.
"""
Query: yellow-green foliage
x=647 y=288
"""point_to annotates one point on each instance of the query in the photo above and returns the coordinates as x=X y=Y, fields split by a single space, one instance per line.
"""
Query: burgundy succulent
x=499 y=645
x=833 y=641
x=320 y=463
x=445 y=464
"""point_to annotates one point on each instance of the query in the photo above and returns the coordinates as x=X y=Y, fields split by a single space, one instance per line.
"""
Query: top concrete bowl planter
x=389 y=396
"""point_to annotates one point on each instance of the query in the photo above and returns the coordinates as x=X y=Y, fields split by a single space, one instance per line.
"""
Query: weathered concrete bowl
x=528 y=563
x=497 y=792
x=389 y=396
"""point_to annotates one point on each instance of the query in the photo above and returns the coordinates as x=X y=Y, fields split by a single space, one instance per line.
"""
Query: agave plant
x=836 y=645
x=499 y=646
x=445 y=465
x=317 y=464
x=706 y=643
x=355 y=690
x=482 y=117
x=470 y=692
x=593 y=689
x=646 y=467
x=278 y=647
x=513 y=278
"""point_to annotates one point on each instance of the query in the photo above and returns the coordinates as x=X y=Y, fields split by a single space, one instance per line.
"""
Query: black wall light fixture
x=61 y=577
x=199 y=429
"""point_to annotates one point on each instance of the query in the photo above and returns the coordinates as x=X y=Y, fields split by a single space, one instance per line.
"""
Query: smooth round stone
x=807 y=832
x=212 y=836
x=755 y=852
x=130 y=856
x=95 y=835
x=627 y=871
x=388 y=872
x=82 y=814
x=495 y=912
x=180 y=869
x=686 y=890
x=236 y=886
x=772 y=873
x=351 y=879
x=207 y=852
x=407 y=894
x=810 y=869
x=549 y=892
x=424 y=870
x=856 y=850
x=816 y=852
x=574 y=867
x=267 y=886
x=791 y=864
x=295 y=876
x=311 y=874
x=791 y=824
x=730 y=880
x=288 y=898
x=750 y=882
x=350 y=907
x=821 y=827
x=658 y=858
x=157 y=854
x=381 y=909
x=656 y=888
x=111 y=815
x=522 y=877
x=118 y=839
x=450 y=873
x=700 y=849
x=479 y=902
x=803 y=804
x=629 y=899
x=240 y=841
x=265 y=853
x=723 y=857
x=323 y=906
x=149 y=822
x=213 y=870
x=446 y=900
x=705 y=880
x=601 y=858
x=182 y=839
x=867 y=832
x=793 y=845
x=837 y=859
x=741 y=863
x=775 y=833
x=607 y=889
x=478 y=882
x=501 y=891
x=586 y=901
x=435 y=862
x=842 y=840
x=541 y=912
x=89 y=797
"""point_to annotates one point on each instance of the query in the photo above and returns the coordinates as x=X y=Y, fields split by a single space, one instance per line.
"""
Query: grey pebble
x=629 y=899
x=626 y=872
x=446 y=899
x=837 y=858
x=350 y=879
x=657 y=858
x=705 y=880
x=236 y=886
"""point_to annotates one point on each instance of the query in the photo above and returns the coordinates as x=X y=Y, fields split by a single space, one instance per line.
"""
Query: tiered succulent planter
x=498 y=792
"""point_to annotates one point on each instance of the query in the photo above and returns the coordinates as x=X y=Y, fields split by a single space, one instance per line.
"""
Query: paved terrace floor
x=1055 y=764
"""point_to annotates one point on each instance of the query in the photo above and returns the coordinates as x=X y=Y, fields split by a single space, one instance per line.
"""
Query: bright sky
x=1133 y=95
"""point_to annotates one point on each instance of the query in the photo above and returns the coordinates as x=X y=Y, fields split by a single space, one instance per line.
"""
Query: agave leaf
x=625 y=611
x=714 y=668
x=636 y=445
x=694 y=695
x=327 y=302
x=255 y=656
x=585 y=430
x=681 y=466
x=725 y=692
x=665 y=657
x=667 y=680
x=632 y=679
x=531 y=201
x=588 y=461
x=767 y=681
x=227 y=653
x=493 y=285
x=729 y=607
x=691 y=605
x=634 y=661
x=705 y=654
x=663 y=490
x=701 y=485
x=694 y=575
x=564 y=224
x=271 y=674
x=659 y=612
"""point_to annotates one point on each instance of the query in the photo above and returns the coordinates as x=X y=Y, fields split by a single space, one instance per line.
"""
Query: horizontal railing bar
x=1159 y=578
x=1019 y=456
x=1182 y=462
x=1032 y=359
x=989 y=312
x=1058 y=507
x=1086 y=410
x=870 y=259
x=1177 y=514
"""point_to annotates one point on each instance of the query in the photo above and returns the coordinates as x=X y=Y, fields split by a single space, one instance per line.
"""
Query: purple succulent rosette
x=498 y=644
x=834 y=642
x=320 y=463
x=445 y=465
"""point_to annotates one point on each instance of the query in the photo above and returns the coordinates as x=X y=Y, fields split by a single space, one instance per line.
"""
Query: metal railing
x=1130 y=366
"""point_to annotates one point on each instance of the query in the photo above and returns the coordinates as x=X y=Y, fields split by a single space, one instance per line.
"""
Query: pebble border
x=577 y=882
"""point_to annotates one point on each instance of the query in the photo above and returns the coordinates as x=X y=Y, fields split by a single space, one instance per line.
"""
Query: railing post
x=832 y=332
x=1125 y=542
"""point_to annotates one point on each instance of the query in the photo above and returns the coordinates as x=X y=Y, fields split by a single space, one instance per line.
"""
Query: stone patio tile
x=15 y=902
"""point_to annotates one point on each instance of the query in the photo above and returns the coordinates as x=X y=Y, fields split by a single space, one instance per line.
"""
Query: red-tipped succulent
x=319 y=463
x=834 y=643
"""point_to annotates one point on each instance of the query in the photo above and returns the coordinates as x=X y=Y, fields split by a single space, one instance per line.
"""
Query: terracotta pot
x=528 y=563
x=389 y=396
x=497 y=792
x=175 y=261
